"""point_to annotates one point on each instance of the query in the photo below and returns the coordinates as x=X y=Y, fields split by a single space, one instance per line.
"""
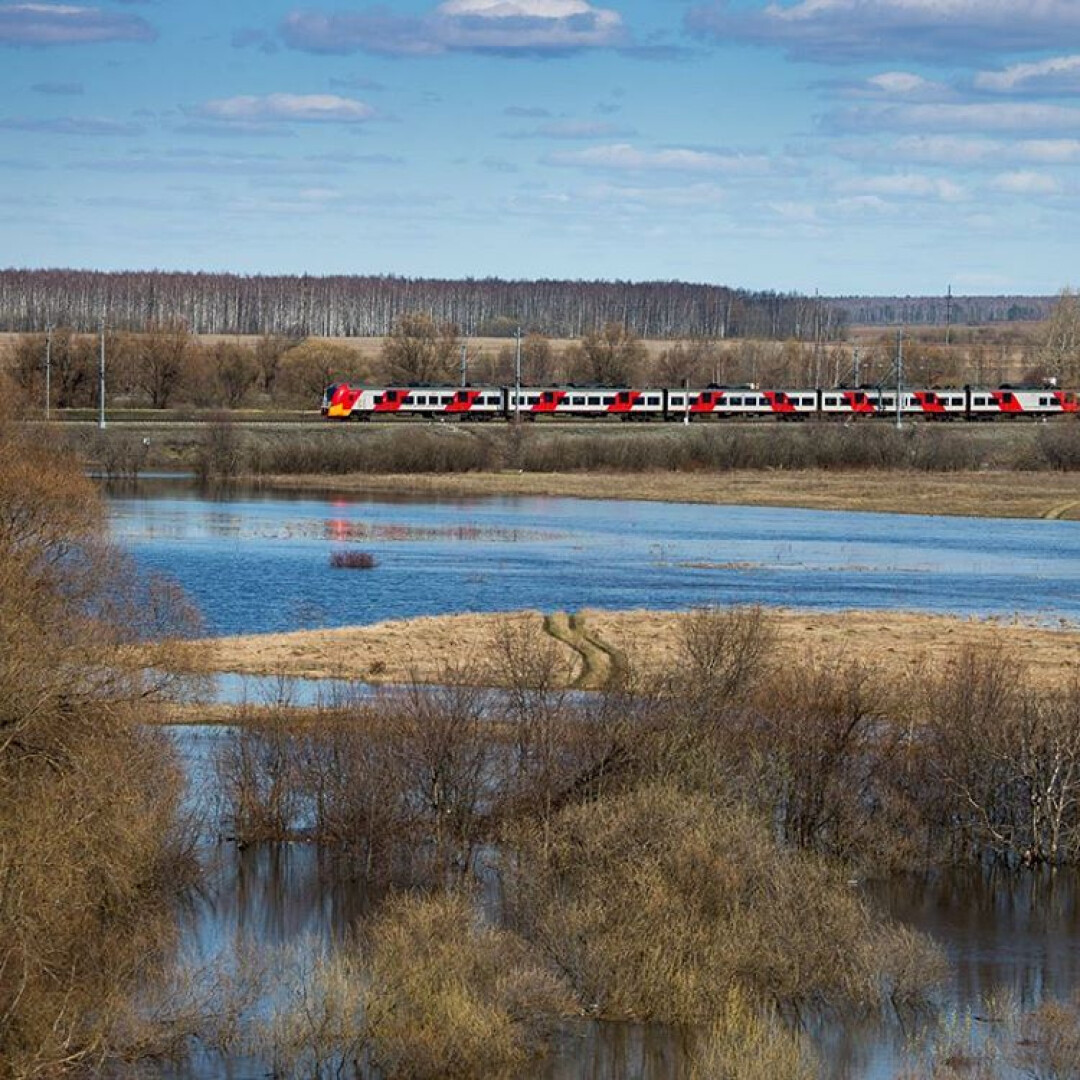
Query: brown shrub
x=90 y=844
x=657 y=903
x=450 y=997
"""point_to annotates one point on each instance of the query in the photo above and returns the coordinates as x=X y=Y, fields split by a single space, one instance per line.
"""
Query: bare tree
x=160 y=361
x=611 y=356
x=419 y=350
x=235 y=372
x=1061 y=343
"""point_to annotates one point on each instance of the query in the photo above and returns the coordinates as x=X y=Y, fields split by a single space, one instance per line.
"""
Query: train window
x=1044 y=402
x=831 y=402
x=808 y=401
x=735 y=401
x=978 y=401
x=678 y=401
x=594 y=400
x=407 y=400
x=608 y=399
x=1006 y=399
x=652 y=402
x=577 y=401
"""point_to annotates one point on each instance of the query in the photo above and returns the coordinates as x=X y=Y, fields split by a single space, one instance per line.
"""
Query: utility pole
x=464 y=363
x=948 y=314
x=517 y=375
x=101 y=379
x=48 y=369
x=899 y=377
x=856 y=369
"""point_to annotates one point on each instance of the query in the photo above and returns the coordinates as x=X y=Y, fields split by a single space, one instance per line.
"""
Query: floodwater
x=257 y=563
x=262 y=563
x=1009 y=937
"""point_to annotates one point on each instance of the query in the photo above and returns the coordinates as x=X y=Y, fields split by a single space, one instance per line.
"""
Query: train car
x=344 y=402
x=729 y=402
x=921 y=404
x=985 y=404
x=587 y=402
x=847 y=404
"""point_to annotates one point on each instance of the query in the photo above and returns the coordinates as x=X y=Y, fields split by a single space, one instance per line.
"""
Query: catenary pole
x=48 y=369
x=101 y=379
x=517 y=375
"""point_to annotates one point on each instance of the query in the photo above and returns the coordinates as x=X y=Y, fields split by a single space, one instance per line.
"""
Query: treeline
x=165 y=366
x=366 y=306
x=940 y=310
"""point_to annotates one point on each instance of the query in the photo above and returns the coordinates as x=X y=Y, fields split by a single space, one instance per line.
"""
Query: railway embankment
x=991 y=470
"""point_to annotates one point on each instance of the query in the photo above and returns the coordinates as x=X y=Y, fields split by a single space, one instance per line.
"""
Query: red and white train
x=345 y=402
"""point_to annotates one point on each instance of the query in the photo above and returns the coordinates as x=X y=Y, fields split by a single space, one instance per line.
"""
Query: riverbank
x=984 y=494
x=424 y=649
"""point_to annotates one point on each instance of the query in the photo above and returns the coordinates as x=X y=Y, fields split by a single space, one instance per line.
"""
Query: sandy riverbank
x=984 y=494
x=424 y=648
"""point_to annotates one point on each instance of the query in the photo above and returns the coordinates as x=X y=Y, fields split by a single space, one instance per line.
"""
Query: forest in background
x=363 y=306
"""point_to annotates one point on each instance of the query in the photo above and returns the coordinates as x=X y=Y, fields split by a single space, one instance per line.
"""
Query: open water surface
x=261 y=563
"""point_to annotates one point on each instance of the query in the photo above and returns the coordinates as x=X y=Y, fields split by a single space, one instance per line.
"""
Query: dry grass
x=452 y=998
x=983 y=494
x=422 y=648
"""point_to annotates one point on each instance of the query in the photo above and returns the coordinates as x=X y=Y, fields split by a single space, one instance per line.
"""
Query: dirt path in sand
x=599 y=643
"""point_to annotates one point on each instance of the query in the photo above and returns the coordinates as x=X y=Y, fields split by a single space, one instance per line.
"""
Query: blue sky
x=847 y=146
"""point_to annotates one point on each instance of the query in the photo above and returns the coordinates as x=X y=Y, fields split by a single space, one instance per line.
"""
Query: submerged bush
x=658 y=903
x=747 y=1042
x=450 y=997
x=352 y=560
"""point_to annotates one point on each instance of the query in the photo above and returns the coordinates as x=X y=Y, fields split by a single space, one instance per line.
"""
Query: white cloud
x=274 y=108
x=906 y=185
x=903 y=84
x=623 y=157
x=1026 y=183
x=960 y=152
x=1056 y=75
x=843 y=31
x=969 y=119
x=497 y=26
x=68 y=24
